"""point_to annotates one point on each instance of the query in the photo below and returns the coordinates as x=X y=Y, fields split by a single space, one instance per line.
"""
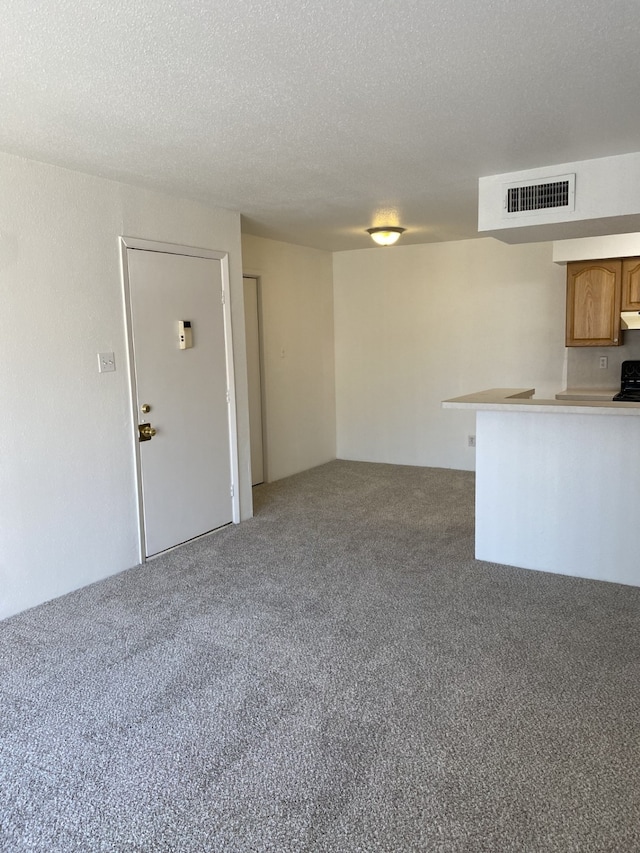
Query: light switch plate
x=106 y=362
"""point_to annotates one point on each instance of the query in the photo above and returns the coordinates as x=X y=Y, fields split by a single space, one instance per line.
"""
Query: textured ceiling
x=318 y=119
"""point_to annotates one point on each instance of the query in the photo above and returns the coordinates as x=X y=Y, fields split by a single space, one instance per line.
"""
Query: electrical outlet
x=604 y=362
x=472 y=440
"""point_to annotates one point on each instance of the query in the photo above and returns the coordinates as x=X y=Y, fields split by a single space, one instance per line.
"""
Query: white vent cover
x=526 y=198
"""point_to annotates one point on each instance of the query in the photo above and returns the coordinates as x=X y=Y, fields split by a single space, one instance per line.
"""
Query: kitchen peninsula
x=557 y=483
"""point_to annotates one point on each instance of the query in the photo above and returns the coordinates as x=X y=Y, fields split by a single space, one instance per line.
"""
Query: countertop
x=522 y=400
x=587 y=393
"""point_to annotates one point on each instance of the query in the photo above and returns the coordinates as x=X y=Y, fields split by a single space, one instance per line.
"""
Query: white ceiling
x=319 y=118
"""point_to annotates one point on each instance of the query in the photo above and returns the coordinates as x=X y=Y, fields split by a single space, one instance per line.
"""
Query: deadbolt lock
x=145 y=408
x=146 y=432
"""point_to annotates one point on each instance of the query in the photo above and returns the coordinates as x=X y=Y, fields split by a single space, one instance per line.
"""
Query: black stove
x=629 y=382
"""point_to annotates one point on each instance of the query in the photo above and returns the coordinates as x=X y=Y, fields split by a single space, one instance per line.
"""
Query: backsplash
x=583 y=363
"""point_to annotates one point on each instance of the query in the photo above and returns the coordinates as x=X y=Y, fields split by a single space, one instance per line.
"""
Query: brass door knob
x=146 y=432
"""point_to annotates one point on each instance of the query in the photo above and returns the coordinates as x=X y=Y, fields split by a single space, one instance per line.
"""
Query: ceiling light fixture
x=386 y=235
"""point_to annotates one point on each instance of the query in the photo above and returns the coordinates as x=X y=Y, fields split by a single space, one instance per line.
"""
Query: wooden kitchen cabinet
x=594 y=298
x=631 y=284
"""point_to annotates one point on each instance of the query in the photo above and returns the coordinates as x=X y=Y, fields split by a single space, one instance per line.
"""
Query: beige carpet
x=336 y=675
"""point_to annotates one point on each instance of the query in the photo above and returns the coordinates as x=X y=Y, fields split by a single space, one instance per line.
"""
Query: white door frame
x=251 y=273
x=190 y=251
x=261 y=358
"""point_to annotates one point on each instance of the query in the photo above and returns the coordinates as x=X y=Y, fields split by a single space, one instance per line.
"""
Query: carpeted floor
x=336 y=675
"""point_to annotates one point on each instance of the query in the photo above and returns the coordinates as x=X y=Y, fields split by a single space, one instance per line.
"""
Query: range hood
x=630 y=320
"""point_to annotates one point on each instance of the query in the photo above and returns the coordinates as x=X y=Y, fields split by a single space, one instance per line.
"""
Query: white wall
x=296 y=294
x=583 y=363
x=68 y=512
x=415 y=325
x=543 y=495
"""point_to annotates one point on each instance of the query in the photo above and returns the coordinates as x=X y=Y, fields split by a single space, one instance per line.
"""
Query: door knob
x=146 y=432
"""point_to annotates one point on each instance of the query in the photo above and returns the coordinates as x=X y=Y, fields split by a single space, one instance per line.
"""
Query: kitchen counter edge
x=521 y=400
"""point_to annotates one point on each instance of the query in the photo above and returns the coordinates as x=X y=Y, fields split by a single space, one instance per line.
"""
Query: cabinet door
x=631 y=284
x=593 y=303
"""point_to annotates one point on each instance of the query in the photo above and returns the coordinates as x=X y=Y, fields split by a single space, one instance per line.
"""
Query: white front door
x=182 y=393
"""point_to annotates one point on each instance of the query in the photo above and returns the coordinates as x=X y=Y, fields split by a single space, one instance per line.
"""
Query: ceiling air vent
x=529 y=197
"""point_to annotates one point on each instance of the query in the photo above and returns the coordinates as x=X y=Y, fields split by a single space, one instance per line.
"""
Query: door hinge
x=232 y=490
x=222 y=297
x=228 y=396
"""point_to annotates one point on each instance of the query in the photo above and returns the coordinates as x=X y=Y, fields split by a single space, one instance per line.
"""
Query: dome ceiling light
x=385 y=235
